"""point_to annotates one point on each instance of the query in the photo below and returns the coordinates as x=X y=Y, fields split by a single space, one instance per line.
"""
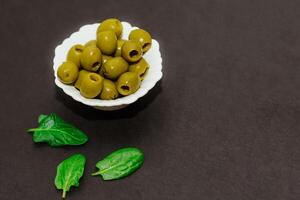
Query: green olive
x=82 y=73
x=128 y=83
x=131 y=51
x=104 y=59
x=114 y=67
x=91 y=58
x=143 y=37
x=109 y=90
x=74 y=54
x=119 y=48
x=67 y=72
x=107 y=42
x=141 y=68
x=91 y=85
x=91 y=43
x=111 y=25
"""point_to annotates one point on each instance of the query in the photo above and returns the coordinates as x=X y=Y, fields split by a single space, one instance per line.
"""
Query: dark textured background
x=223 y=124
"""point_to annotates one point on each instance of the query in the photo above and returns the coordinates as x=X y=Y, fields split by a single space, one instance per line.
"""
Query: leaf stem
x=96 y=173
x=64 y=194
x=31 y=129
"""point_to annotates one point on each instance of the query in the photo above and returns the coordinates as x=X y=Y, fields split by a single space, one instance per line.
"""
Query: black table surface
x=222 y=124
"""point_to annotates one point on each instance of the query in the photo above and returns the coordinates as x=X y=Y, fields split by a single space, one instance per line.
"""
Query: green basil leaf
x=120 y=163
x=69 y=173
x=56 y=132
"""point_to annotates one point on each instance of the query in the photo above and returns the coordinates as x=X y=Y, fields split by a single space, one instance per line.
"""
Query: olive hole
x=96 y=64
x=146 y=45
x=125 y=87
x=67 y=74
x=78 y=49
x=93 y=77
x=133 y=53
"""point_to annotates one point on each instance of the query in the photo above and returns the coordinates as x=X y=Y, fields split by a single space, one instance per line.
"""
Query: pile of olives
x=108 y=67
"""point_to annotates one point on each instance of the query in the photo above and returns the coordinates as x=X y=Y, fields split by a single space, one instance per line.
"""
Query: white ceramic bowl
x=88 y=32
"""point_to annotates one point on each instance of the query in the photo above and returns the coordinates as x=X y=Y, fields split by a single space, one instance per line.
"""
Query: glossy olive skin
x=105 y=58
x=131 y=51
x=91 y=85
x=81 y=75
x=141 y=67
x=128 y=83
x=91 y=43
x=109 y=90
x=67 y=72
x=91 y=58
x=118 y=51
x=107 y=42
x=75 y=53
x=143 y=37
x=114 y=67
x=111 y=24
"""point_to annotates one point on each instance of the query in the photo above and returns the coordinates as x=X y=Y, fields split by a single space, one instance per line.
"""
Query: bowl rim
x=142 y=91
